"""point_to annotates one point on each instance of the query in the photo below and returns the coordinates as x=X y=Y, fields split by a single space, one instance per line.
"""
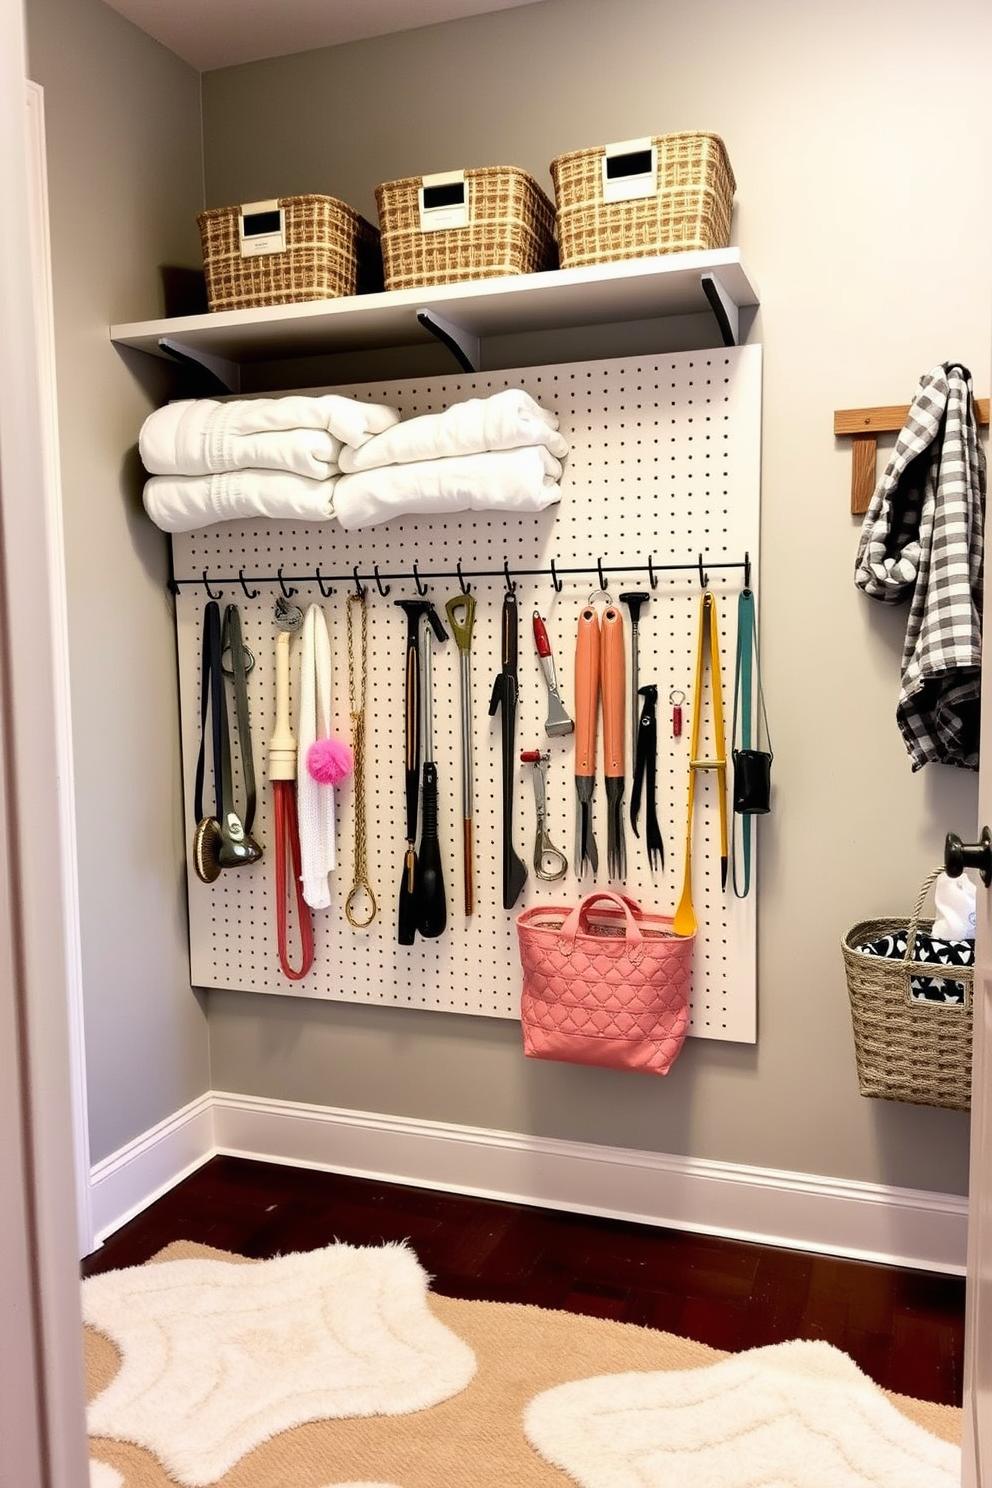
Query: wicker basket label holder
x=907 y=1049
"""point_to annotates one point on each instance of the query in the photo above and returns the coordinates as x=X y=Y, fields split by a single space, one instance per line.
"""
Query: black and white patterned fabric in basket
x=927 y=949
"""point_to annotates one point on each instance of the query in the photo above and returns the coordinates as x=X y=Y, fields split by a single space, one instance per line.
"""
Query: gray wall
x=866 y=224
x=125 y=182
x=861 y=138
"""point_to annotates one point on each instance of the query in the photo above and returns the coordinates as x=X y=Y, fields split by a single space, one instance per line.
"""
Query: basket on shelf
x=287 y=250
x=671 y=193
x=466 y=224
x=907 y=1049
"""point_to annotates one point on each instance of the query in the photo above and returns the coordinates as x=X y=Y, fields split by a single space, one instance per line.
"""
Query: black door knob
x=958 y=856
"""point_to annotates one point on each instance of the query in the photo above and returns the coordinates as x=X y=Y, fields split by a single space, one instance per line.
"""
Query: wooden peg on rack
x=863 y=426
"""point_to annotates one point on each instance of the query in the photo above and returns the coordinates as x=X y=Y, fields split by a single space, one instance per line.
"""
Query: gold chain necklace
x=361 y=890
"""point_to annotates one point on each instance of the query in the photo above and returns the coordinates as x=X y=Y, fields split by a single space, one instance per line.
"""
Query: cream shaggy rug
x=218 y=1357
x=500 y=1375
x=795 y=1413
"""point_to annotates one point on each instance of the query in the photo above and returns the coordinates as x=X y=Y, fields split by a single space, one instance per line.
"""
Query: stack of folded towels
x=253 y=457
x=330 y=457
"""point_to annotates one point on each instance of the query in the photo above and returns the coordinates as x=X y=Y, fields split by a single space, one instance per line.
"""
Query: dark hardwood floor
x=904 y=1328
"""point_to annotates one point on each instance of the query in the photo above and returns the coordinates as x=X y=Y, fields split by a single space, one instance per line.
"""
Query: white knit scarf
x=314 y=800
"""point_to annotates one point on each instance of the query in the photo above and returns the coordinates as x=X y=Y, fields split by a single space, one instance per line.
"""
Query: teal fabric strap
x=746 y=671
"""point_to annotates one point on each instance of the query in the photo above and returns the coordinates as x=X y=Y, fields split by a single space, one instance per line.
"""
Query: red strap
x=287 y=829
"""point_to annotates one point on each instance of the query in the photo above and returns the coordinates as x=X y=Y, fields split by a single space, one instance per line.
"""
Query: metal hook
x=382 y=588
x=422 y=589
x=206 y=585
x=556 y=581
x=747 y=570
x=249 y=593
x=465 y=588
x=604 y=583
x=359 y=586
x=511 y=584
x=651 y=573
x=325 y=593
x=286 y=593
x=704 y=578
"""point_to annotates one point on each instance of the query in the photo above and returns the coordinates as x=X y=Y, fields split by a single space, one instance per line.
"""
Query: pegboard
x=664 y=465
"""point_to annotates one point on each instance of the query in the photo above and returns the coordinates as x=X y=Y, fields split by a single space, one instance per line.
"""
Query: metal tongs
x=550 y=862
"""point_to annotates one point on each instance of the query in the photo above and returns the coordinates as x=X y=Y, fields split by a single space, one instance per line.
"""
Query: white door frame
x=41 y=259
x=42 y=1419
x=977 y=1455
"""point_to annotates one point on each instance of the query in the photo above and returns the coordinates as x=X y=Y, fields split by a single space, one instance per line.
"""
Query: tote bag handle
x=579 y=917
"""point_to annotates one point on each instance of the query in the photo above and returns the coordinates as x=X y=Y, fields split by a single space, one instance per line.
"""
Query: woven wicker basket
x=685 y=196
x=506 y=226
x=907 y=1050
x=329 y=251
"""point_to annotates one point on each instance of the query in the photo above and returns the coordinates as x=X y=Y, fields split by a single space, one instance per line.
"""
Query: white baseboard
x=866 y=1221
x=135 y=1175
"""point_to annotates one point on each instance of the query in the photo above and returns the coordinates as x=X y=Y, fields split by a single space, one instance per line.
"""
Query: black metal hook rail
x=325 y=582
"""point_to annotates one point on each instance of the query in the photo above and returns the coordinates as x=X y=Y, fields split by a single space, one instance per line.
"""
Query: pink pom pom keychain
x=330 y=761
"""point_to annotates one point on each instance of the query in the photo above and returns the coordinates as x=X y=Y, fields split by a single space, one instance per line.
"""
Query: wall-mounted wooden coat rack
x=863 y=426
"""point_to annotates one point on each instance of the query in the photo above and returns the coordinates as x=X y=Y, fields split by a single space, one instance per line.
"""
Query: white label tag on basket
x=443 y=201
x=261 y=228
x=630 y=170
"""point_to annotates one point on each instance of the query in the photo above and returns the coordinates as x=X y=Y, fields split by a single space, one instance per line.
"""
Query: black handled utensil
x=461 y=618
x=634 y=600
x=431 y=903
x=504 y=698
x=415 y=609
x=645 y=775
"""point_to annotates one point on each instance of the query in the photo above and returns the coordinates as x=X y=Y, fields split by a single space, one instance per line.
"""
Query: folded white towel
x=513 y=480
x=200 y=436
x=196 y=438
x=314 y=800
x=182 y=503
x=506 y=420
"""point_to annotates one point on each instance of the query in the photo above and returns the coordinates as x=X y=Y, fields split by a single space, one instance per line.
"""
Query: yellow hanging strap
x=709 y=640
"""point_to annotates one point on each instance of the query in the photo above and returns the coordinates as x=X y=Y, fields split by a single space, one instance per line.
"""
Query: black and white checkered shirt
x=923 y=540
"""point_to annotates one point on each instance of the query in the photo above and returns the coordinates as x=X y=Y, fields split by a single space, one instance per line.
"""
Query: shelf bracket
x=464 y=347
x=863 y=426
x=726 y=310
x=226 y=374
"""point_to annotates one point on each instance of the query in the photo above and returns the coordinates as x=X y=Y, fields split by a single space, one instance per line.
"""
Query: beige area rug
x=516 y=1390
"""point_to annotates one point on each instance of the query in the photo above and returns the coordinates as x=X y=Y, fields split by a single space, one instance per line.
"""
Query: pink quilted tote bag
x=604 y=983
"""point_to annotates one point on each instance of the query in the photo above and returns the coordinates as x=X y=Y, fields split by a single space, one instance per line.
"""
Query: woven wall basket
x=906 y=1049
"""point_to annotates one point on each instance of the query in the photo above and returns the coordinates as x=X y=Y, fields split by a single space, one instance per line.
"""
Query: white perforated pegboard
x=664 y=465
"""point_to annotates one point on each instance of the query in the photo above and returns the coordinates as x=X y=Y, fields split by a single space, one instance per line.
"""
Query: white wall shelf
x=464 y=314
